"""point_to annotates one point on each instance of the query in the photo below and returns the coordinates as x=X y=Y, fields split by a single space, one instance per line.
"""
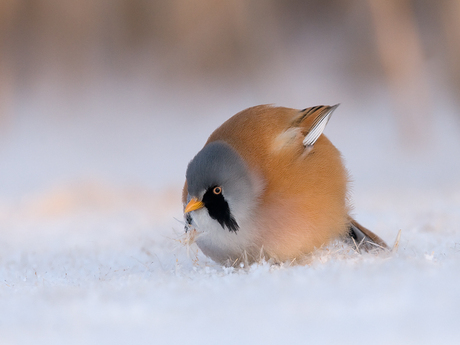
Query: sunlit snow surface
x=90 y=235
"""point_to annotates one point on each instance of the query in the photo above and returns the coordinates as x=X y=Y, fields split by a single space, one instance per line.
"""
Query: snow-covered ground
x=90 y=232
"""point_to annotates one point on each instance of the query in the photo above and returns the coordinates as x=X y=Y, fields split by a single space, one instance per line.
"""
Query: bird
x=269 y=184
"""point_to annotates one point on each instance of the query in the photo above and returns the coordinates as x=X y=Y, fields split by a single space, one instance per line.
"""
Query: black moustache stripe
x=219 y=210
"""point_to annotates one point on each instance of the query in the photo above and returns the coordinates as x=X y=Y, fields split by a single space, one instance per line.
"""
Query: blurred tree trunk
x=400 y=50
x=451 y=22
x=8 y=13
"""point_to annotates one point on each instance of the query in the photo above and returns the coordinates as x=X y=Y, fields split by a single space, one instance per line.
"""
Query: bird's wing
x=314 y=120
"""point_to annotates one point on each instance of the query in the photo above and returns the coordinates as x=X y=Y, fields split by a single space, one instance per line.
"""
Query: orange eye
x=217 y=190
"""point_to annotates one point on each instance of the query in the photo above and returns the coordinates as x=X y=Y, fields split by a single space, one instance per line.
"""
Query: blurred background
x=125 y=92
x=104 y=102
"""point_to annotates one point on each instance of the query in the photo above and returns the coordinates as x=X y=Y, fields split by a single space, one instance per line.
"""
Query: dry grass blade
x=396 y=245
x=357 y=245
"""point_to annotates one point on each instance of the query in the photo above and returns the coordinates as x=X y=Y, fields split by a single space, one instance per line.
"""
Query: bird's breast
x=222 y=245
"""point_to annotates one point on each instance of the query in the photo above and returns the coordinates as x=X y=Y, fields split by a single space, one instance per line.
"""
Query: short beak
x=194 y=204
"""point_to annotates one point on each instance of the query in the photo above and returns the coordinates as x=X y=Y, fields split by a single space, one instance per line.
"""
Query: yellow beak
x=193 y=205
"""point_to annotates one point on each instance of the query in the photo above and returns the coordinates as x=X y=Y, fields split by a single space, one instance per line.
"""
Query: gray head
x=219 y=178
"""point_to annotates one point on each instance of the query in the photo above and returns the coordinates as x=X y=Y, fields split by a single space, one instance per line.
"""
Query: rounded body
x=297 y=195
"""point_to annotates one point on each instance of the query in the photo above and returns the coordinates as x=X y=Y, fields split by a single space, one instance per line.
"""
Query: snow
x=91 y=246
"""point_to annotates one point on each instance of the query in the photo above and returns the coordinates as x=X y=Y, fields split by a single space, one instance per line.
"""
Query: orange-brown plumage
x=303 y=201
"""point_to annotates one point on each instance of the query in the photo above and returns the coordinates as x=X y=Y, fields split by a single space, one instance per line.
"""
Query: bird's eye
x=217 y=190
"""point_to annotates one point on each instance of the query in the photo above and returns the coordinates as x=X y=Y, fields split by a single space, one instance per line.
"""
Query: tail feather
x=364 y=238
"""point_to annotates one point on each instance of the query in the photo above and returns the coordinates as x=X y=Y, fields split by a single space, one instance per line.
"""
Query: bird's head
x=219 y=187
